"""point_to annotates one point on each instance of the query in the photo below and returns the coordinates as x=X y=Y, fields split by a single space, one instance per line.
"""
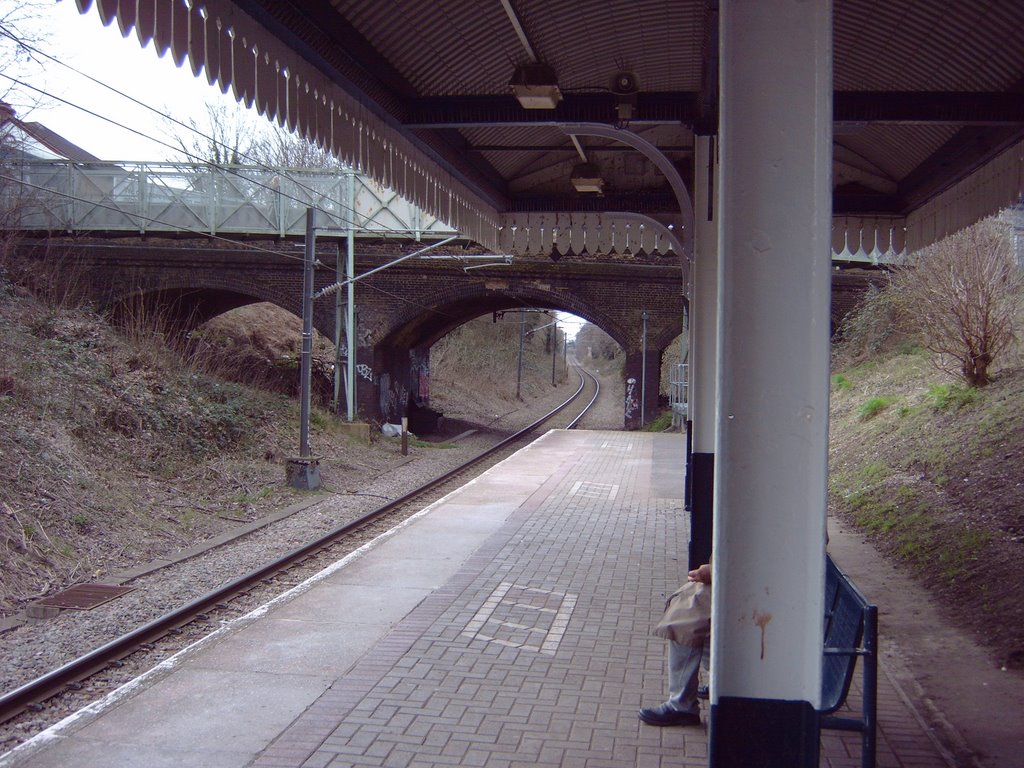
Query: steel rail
x=51 y=684
x=597 y=391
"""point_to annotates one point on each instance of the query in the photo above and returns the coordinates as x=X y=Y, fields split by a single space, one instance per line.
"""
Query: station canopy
x=503 y=115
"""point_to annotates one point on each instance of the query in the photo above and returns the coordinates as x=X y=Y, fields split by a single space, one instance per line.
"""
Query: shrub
x=875 y=325
x=963 y=296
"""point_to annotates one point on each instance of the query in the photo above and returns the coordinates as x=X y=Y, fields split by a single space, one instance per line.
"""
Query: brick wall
x=404 y=309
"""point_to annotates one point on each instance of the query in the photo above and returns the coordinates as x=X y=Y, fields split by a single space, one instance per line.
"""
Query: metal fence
x=678 y=393
x=204 y=199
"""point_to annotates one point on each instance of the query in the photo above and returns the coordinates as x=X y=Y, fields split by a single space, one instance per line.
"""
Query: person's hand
x=702 y=574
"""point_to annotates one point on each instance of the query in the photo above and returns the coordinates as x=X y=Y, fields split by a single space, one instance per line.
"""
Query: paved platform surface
x=505 y=626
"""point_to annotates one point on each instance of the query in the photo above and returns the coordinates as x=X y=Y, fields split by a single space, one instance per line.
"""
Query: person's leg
x=682 y=707
x=683 y=668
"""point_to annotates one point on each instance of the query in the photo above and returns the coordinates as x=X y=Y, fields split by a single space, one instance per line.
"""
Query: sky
x=81 y=41
x=86 y=46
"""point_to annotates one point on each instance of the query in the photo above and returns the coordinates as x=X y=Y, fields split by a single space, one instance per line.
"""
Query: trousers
x=684 y=662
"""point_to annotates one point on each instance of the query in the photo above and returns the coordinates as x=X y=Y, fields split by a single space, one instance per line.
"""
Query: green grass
x=913 y=533
x=912 y=349
x=899 y=461
x=250 y=498
x=417 y=443
x=951 y=397
x=840 y=382
x=660 y=424
x=874 y=472
x=963 y=552
x=319 y=420
x=875 y=406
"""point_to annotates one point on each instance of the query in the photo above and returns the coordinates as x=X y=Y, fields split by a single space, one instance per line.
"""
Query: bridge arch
x=401 y=346
x=418 y=326
x=185 y=308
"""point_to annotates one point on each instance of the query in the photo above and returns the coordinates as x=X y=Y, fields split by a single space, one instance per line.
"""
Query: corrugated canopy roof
x=417 y=94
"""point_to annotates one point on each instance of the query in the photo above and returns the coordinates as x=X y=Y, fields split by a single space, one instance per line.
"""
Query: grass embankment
x=933 y=472
x=117 y=449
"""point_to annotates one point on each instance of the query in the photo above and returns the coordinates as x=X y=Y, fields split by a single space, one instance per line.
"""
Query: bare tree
x=21 y=32
x=226 y=137
x=963 y=295
x=593 y=342
x=276 y=146
x=233 y=135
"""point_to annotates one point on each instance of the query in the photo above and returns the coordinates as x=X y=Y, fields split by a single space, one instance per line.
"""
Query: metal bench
x=851 y=631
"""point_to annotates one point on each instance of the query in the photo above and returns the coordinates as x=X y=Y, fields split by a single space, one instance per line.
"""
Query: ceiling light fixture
x=586 y=177
x=536 y=86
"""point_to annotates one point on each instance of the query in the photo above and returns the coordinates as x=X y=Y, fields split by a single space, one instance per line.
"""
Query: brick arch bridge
x=401 y=311
x=611 y=297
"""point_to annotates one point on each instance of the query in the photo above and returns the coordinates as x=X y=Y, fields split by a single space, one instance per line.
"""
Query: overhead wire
x=221 y=238
x=256 y=162
x=145 y=135
x=225 y=168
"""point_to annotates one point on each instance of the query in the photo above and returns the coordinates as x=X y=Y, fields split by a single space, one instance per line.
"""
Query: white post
x=775 y=122
x=703 y=348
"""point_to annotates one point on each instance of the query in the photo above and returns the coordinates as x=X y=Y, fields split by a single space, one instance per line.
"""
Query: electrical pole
x=304 y=472
x=338 y=318
x=306 y=363
x=522 y=333
x=350 y=315
x=554 y=349
x=643 y=369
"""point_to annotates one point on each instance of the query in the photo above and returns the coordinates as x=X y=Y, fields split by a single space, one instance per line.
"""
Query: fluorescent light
x=536 y=86
x=586 y=177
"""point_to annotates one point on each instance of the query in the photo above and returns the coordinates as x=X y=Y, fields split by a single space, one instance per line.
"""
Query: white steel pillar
x=773 y=354
x=703 y=350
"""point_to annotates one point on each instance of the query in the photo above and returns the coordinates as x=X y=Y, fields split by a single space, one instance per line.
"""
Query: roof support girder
x=950 y=108
x=686 y=107
x=502 y=109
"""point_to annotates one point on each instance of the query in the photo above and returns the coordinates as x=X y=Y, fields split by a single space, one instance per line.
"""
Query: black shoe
x=663 y=715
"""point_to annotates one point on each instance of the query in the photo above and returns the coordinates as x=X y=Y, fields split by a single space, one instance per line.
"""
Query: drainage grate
x=82 y=597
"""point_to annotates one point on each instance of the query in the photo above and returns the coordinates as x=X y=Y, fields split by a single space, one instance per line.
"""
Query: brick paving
x=537 y=652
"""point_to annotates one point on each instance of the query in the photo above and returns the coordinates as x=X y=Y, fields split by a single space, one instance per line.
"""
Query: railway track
x=186 y=623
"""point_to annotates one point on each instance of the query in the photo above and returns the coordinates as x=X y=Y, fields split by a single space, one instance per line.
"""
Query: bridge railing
x=179 y=197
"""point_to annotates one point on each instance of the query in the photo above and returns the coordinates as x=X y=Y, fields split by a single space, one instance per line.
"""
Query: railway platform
x=506 y=625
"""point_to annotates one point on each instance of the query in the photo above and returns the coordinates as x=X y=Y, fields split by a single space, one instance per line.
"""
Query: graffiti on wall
x=421 y=375
x=393 y=398
x=365 y=372
x=631 y=402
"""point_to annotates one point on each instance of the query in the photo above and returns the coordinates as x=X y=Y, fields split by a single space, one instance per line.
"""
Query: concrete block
x=303 y=473
x=357 y=429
